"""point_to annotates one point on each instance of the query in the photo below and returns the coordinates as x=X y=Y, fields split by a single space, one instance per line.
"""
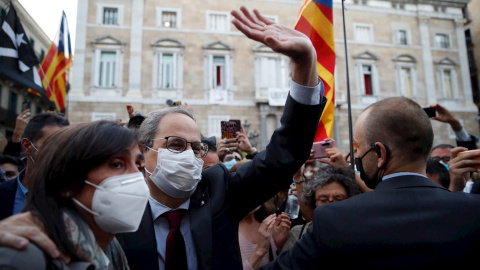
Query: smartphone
x=238 y=124
x=319 y=148
x=474 y=158
x=430 y=112
x=228 y=129
x=25 y=105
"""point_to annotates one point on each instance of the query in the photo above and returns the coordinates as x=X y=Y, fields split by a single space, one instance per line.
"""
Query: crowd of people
x=160 y=195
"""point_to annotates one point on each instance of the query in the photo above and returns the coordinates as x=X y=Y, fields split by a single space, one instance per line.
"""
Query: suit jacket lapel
x=201 y=227
x=141 y=246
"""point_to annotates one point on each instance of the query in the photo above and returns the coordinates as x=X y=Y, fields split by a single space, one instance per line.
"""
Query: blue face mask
x=229 y=164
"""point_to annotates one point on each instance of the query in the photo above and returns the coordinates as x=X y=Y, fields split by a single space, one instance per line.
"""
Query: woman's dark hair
x=62 y=165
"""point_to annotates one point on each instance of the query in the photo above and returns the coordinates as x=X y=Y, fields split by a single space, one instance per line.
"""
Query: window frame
x=159 y=17
x=226 y=26
x=361 y=81
x=453 y=82
x=100 y=11
x=356 y=33
x=413 y=79
x=448 y=37
x=408 y=37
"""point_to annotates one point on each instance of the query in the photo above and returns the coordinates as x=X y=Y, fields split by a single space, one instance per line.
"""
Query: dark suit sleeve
x=470 y=144
x=273 y=168
x=302 y=256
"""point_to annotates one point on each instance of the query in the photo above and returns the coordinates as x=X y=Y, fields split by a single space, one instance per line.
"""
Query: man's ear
x=26 y=143
x=382 y=152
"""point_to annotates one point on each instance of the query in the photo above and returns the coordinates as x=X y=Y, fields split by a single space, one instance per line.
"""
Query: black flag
x=17 y=58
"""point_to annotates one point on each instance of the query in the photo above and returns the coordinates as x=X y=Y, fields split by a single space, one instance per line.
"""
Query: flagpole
x=350 y=128
x=49 y=88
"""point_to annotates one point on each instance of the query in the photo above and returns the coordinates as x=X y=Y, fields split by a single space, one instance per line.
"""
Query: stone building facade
x=146 y=52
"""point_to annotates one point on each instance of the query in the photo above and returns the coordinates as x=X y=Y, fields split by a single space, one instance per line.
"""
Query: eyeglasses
x=178 y=145
x=445 y=159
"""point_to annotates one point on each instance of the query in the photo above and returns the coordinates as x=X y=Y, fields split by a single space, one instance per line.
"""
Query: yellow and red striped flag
x=53 y=69
x=315 y=20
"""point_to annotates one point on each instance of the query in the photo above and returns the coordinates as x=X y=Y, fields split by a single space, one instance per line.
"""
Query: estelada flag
x=17 y=58
x=53 y=70
x=315 y=20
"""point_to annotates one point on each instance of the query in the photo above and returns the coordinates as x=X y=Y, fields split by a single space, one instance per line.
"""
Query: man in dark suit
x=13 y=193
x=215 y=207
x=408 y=221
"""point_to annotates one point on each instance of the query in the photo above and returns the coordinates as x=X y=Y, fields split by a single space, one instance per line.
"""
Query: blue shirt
x=402 y=174
x=20 y=195
x=160 y=225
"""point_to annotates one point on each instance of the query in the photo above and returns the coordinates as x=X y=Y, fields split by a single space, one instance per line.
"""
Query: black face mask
x=370 y=182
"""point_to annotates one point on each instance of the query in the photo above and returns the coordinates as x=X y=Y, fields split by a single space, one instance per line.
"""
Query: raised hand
x=281 y=39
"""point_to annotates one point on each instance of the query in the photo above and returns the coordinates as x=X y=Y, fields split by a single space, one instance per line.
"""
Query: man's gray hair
x=149 y=126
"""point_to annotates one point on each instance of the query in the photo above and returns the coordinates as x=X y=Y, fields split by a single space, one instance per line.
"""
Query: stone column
x=135 y=66
x=427 y=60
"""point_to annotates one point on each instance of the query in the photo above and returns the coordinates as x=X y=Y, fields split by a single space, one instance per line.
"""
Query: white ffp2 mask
x=119 y=202
x=176 y=174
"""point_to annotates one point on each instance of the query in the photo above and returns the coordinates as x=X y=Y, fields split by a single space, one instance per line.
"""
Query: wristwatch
x=252 y=155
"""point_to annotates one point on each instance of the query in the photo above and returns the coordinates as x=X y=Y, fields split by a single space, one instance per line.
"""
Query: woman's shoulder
x=31 y=257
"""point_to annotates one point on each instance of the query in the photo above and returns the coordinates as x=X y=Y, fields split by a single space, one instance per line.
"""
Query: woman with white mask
x=87 y=188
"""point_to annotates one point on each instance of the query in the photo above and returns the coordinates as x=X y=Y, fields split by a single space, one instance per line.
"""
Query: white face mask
x=176 y=174
x=119 y=202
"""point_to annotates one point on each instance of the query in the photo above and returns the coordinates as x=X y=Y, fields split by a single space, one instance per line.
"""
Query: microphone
x=172 y=103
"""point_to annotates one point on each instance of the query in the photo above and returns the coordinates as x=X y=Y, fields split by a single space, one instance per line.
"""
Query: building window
x=272 y=72
x=367 y=80
x=110 y=16
x=442 y=41
x=12 y=101
x=468 y=37
x=107 y=69
x=402 y=37
x=447 y=84
x=166 y=71
x=168 y=17
x=363 y=33
x=406 y=88
x=218 y=72
x=218 y=21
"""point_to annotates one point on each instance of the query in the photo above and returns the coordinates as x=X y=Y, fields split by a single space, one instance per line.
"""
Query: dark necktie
x=175 y=255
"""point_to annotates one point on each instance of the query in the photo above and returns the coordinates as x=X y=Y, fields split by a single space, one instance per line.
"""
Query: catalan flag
x=53 y=70
x=315 y=20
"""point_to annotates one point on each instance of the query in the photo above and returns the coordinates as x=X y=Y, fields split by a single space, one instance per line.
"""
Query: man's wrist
x=253 y=150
